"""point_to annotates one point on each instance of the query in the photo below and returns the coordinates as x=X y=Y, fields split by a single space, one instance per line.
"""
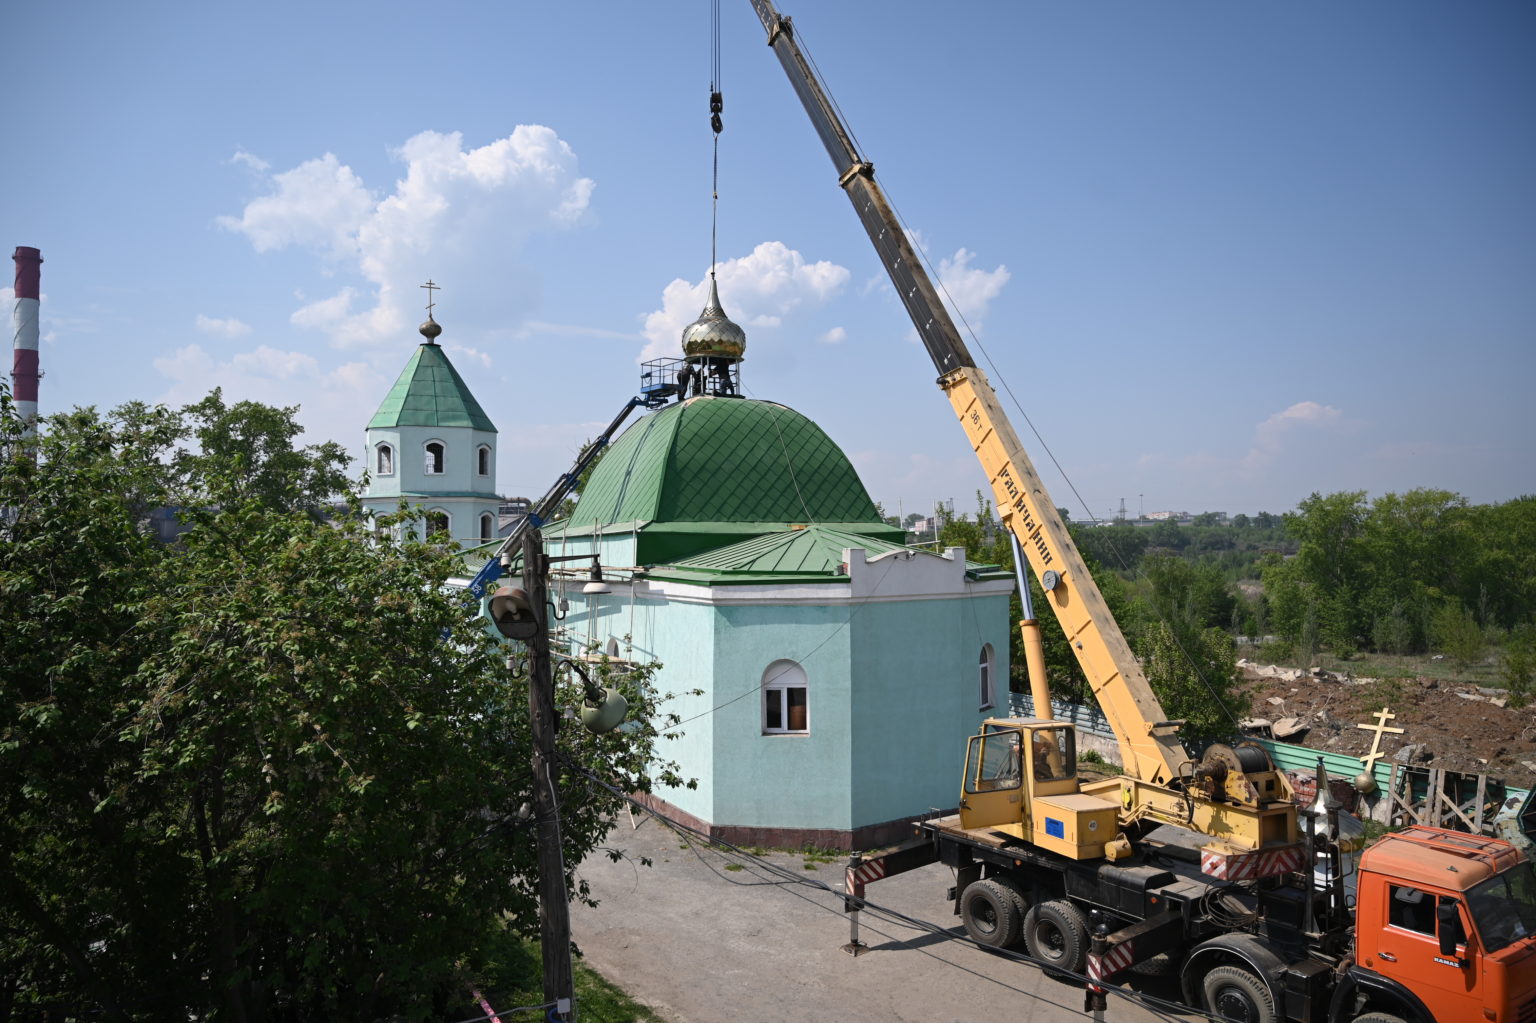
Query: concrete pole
x=554 y=902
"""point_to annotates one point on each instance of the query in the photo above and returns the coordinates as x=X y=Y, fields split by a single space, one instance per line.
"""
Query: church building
x=432 y=445
x=828 y=673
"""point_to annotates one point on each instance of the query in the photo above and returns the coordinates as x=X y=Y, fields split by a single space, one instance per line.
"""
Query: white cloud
x=320 y=204
x=756 y=290
x=968 y=289
x=483 y=358
x=458 y=214
x=274 y=364
x=324 y=313
x=249 y=160
x=1269 y=437
x=835 y=336
x=230 y=328
x=534 y=328
x=334 y=404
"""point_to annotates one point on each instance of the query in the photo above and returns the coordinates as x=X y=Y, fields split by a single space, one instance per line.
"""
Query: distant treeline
x=1405 y=573
x=1419 y=572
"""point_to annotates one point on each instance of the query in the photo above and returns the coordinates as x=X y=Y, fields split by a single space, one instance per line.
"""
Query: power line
x=1161 y=1008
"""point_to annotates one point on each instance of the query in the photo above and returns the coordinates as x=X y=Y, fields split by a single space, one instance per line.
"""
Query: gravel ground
x=704 y=936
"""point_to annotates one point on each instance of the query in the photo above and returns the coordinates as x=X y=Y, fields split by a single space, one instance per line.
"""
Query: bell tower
x=432 y=445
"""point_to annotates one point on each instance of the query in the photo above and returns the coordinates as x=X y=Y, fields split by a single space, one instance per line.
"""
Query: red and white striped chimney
x=24 y=365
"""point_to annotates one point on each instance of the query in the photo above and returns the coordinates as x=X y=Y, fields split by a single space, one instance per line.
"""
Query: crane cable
x=716 y=125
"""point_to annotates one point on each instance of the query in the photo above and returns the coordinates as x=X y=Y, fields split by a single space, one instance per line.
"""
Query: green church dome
x=715 y=470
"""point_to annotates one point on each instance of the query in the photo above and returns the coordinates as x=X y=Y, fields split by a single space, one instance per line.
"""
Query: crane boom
x=1149 y=744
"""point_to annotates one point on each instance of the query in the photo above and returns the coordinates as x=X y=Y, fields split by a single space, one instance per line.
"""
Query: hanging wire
x=716 y=107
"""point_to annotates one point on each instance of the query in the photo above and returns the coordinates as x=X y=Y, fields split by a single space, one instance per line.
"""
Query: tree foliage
x=270 y=771
x=1405 y=572
x=1191 y=671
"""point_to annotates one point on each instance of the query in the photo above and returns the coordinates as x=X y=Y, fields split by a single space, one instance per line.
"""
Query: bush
x=1457 y=633
x=1519 y=669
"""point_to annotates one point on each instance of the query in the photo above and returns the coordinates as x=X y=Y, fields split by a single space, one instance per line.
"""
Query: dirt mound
x=1447 y=725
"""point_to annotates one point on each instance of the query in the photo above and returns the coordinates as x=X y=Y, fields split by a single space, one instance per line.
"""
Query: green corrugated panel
x=811 y=554
x=1290 y=757
x=724 y=460
x=430 y=392
x=814 y=549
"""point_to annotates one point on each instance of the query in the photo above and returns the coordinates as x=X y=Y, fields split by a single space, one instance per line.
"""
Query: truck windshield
x=1504 y=907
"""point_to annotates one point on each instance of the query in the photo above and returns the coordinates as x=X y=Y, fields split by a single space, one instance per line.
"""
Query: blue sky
x=1224 y=255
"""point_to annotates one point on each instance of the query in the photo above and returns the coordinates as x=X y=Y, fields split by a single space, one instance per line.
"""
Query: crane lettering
x=1027 y=526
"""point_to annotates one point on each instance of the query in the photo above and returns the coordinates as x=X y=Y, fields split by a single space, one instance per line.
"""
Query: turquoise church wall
x=892 y=694
x=800 y=780
x=915 y=695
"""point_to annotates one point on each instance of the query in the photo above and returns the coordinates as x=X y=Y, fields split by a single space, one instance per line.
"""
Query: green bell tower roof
x=430 y=392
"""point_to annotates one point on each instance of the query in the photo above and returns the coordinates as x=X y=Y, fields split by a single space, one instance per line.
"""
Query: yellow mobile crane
x=1020 y=779
x=1438 y=926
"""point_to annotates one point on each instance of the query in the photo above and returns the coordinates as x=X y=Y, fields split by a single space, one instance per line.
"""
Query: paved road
x=705 y=944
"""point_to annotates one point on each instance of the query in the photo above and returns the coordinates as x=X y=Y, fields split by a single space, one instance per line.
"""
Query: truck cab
x=1021 y=781
x=1445 y=929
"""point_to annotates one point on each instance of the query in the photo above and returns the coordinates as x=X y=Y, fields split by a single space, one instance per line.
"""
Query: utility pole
x=554 y=904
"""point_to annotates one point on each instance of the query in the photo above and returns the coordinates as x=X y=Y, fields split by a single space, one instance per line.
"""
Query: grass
x=514 y=977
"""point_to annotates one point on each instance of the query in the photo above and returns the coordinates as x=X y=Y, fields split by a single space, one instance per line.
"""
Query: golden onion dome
x=713 y=333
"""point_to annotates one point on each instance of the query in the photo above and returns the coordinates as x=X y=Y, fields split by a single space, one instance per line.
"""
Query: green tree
x=1194 y=595
x=1455 y=631
x=1167 y=535
x=1519 y=668
x=270 y=771
x=1194 y=673
x=1118 y=546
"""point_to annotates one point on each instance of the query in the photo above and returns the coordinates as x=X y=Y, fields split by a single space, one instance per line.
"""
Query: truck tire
x=1056 y=934
x=1018 y=890
x=1377 y=1017
x=1232 y=993
x=990 y=913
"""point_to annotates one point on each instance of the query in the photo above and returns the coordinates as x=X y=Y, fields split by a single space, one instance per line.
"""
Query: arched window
x=439 y=521
x=384 y=462
x=436 y=457
x=786 y=703
x=487 y=526
x=986 y=672
x=483 y=460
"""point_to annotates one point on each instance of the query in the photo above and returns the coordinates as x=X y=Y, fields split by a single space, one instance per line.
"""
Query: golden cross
x=430 y=288
x=1382 y=716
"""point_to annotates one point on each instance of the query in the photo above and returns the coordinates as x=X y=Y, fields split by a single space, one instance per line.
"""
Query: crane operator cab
x=1021 y=783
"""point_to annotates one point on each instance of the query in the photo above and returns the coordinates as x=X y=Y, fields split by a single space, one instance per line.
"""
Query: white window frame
x=487 y=527
x=381 y=454
x=426 y=462
x=483 y=460
x=987 y=671
x=426 y=525
x=780 y=680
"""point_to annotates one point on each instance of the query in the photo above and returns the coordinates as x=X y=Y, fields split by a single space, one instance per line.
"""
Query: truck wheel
x=1377 y=1017
x=1232 y=993
x=990 y=913
x=1056 y=934
x=1019 y=892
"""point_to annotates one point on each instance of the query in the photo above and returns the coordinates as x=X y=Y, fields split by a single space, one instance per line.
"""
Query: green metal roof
x=719 y=459
x=813 y=549
x=430 y=392
x=813 y=554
